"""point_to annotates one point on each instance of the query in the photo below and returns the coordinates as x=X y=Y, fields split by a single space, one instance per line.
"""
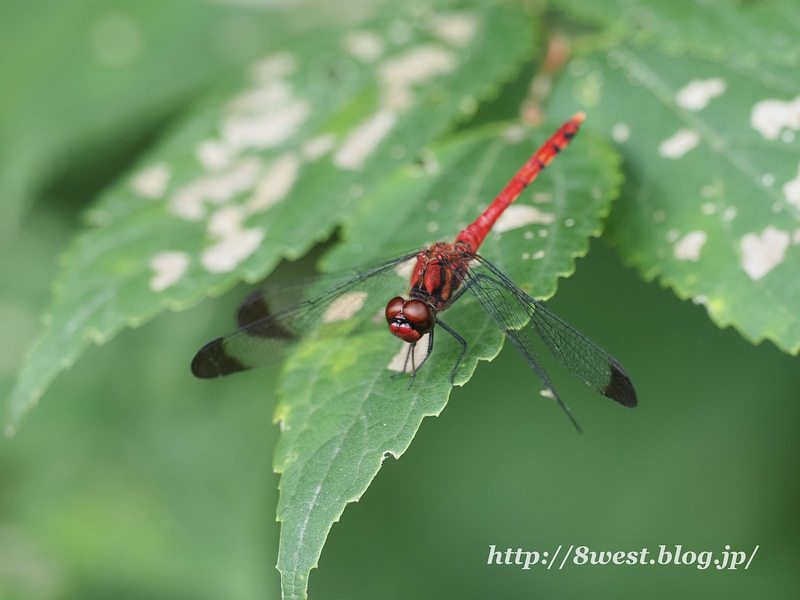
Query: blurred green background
x=134 y=480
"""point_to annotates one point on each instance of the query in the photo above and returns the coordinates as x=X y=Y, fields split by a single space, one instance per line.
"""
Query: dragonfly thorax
x=438 y=274
x=409 y=319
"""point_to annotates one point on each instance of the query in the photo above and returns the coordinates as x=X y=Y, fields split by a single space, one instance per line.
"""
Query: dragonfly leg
x=415 y=369
x=461 y=341
x=409 y=357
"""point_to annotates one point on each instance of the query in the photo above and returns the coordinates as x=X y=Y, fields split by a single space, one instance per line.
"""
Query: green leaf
x=712 y=199
x=114 y=71
x=748 y=32
x=268 y=167
x=342 y=413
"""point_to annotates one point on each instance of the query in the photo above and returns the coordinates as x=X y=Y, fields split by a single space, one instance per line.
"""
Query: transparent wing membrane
x=264 y=334
x=512 y=309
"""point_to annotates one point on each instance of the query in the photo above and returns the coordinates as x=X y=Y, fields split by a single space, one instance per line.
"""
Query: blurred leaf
x=712 y=201
x=749 y=32
x=342 y=414
x=82 y=81
x=267 y=167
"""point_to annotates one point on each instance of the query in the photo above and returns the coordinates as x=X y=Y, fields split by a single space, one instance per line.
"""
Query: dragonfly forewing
x=264 y=335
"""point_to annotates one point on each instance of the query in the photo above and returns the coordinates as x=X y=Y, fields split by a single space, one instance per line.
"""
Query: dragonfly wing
x=254 y=314
x=264 y=335
x=577 y=353
x=237 y=351
x=582 y=357
x=488 y=291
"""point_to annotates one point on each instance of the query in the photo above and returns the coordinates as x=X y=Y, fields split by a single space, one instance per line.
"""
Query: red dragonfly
x=441 y=274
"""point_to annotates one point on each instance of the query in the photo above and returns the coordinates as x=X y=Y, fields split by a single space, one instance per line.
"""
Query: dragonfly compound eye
x=394 y=308
x=419 y=315
x=409 y=319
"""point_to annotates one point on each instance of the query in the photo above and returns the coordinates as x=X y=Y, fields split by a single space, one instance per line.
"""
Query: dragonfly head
x=409 y=319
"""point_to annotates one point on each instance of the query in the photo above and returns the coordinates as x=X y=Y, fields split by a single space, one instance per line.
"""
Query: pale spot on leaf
x=266 y=130
x=276 y=183
x=769 y=117
x=397 y=76
x=405 y=269
x=151 y=182
x=418 y=65
x=457 y=29
x=319 y=146
x=168 y=267
x=226 y=221
x=514 y=134
x=690 y=245
x=762 y=253
x=520 y=215
x=401 y=362
x=621 y=133
x=791 y=190
x=366 y=46
x=344 y=307
x=225 y=255
x=261 y=100
x=679 y=144
x=273 y=67
x=188 y=201
x=362 y=141
x=213 y=154
x=699 y=92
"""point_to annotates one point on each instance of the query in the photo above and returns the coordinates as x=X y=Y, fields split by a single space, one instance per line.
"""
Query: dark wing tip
x=212 y=361
x=620 y=388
